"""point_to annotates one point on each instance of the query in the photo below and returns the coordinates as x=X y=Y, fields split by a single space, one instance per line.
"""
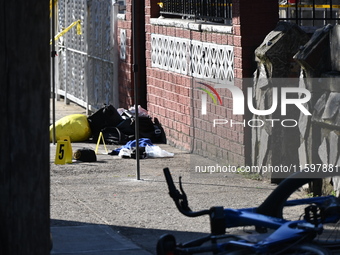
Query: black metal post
x=297 y=12
x=135 y=77
x=330 y=10
x=314 y=16
x=53 y=54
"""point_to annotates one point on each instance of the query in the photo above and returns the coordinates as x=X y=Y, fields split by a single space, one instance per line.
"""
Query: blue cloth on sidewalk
x=143 y=142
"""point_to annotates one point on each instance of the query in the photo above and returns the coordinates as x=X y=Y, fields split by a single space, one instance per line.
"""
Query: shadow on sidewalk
x=72 y=237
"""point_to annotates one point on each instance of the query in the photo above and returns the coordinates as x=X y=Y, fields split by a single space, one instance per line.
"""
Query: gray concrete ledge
x=192 y=25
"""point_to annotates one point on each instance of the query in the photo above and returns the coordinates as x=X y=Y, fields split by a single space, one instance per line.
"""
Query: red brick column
x=125 y=75
x=252 y=21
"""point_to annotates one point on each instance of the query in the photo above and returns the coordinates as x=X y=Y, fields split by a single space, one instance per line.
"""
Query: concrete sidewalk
x=101 y=207
x=83 y=238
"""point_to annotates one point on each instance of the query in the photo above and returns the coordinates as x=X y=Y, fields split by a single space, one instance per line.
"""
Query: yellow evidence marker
x=64 y=151
x=101 y=137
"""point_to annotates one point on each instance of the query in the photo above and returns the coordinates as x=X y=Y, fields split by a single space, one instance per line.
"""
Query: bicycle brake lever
x=179 y=198
x=184 y=200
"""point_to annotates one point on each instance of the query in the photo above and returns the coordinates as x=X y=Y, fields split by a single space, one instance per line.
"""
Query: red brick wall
x=169 y=101
x=125 y=77
x=173 y=99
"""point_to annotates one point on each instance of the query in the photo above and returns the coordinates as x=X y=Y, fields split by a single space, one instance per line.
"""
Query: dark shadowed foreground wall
x=24 y=123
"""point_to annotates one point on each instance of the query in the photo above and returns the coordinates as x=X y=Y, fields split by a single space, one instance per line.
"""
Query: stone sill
x=192 y=25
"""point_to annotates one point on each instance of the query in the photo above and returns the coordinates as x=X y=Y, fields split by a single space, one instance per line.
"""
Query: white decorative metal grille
x=198 y=59
x=122 y=44
x=86 y=69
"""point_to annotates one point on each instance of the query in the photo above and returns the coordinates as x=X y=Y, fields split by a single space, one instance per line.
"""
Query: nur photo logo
x=212 y=93
x=283 y=97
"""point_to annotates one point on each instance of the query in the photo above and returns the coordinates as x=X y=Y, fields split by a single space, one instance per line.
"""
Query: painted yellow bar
x=317 y=6
x=55 y=3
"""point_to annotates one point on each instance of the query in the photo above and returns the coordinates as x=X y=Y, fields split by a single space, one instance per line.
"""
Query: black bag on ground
x=151 y=129
x=127 y=126
x=104 y=117
x=147 y=129
x=85 y=155
x=159 y=136
x=112 y=135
